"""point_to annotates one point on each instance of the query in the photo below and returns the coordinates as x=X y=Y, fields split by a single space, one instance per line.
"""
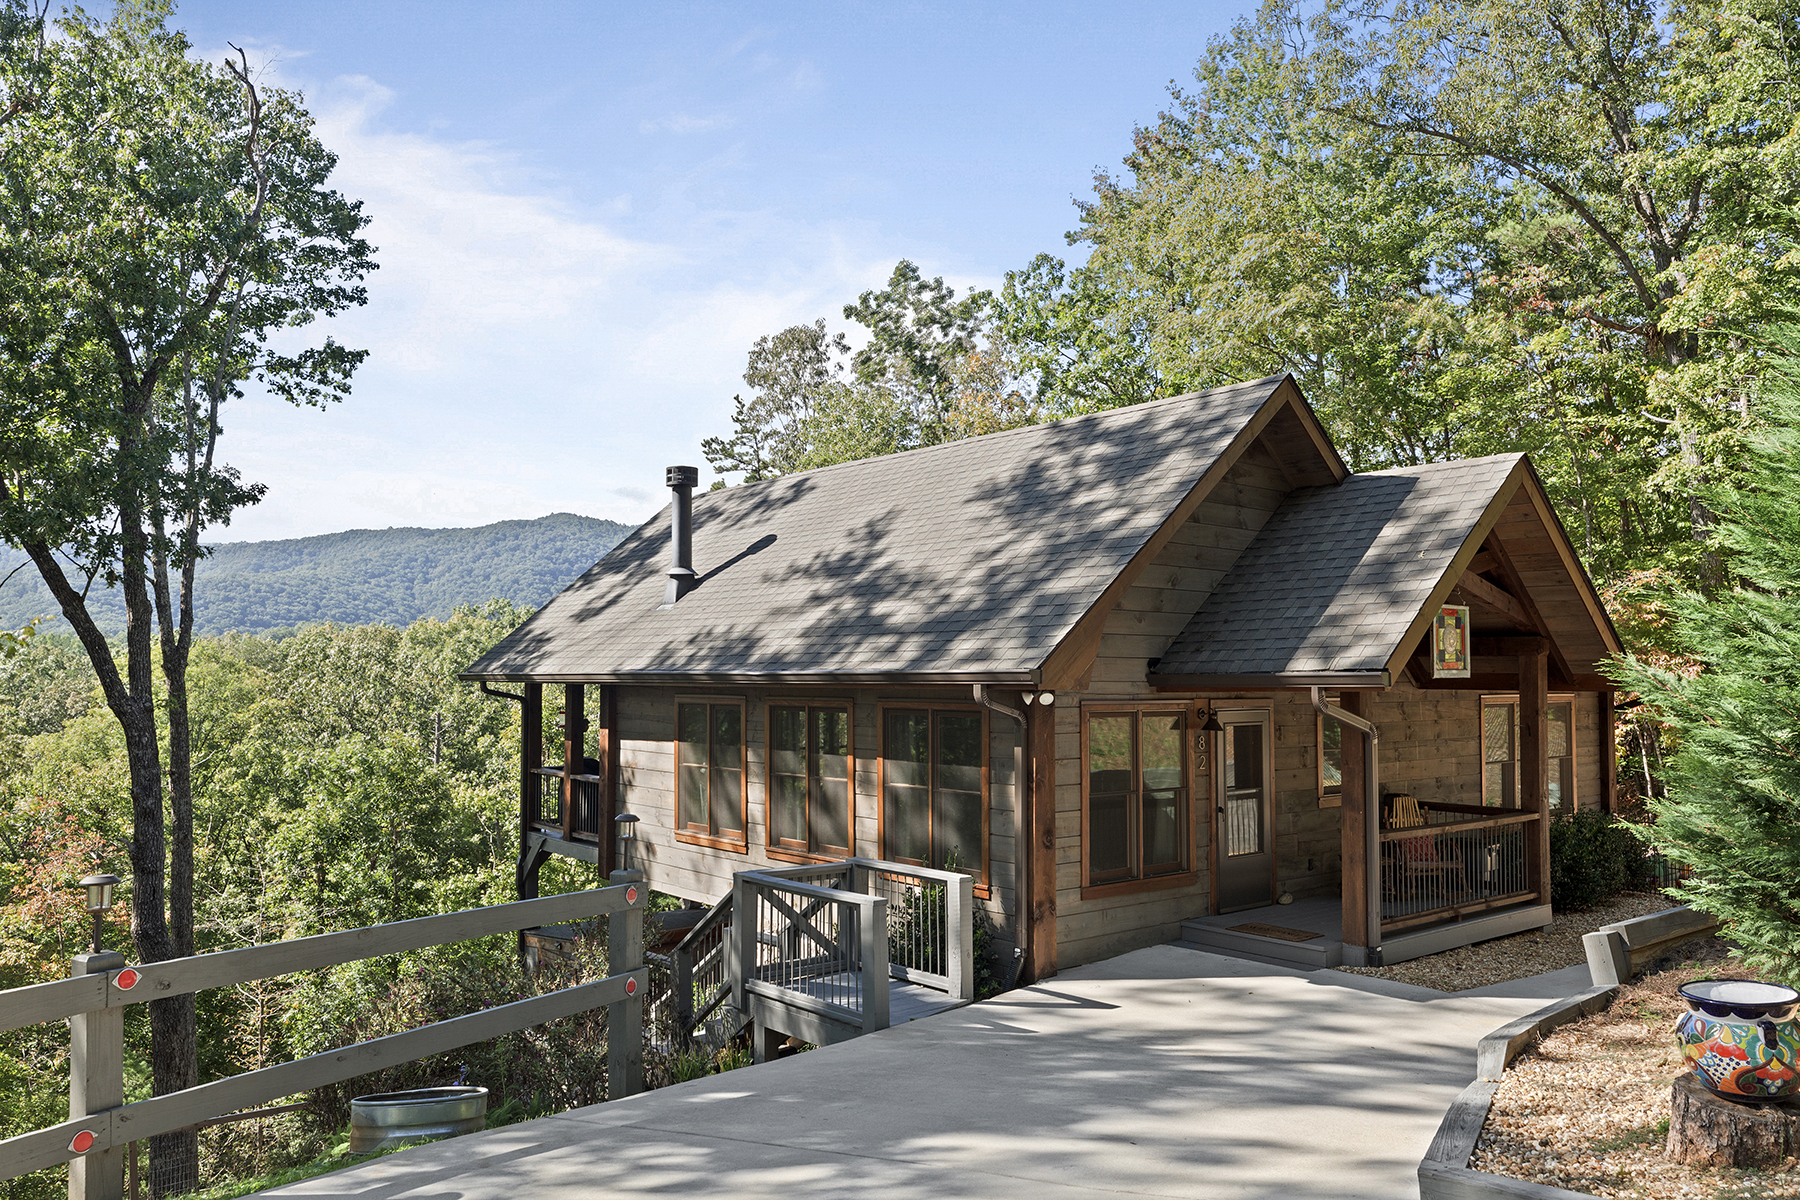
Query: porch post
x=531 y=757
x=606 y=749
x=574 y=750
x=1534 y=766
x=1353 y=837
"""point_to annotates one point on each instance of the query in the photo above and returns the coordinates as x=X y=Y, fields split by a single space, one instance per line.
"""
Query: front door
x=1243 y=826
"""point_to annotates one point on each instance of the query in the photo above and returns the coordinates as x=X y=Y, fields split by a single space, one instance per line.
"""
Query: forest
x=342 y=778
x=1466 y=227
x=357 y=577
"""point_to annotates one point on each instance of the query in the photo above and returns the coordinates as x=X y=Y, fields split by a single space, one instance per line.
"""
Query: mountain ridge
x=355 y=576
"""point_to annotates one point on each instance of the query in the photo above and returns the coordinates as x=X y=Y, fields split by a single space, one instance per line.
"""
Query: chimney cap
x=683 y=476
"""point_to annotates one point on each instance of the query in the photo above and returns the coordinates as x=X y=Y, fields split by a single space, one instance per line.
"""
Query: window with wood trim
x=1135 y=801
x=1331 y=761
x=1500 y=751
x=709 y=771
x=810 y=771
x=934 y=788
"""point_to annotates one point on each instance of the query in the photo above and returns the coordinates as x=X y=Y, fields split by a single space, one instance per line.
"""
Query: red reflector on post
x=125 y=980
x=631 y=987
x=82 y=1142
x=631 y=894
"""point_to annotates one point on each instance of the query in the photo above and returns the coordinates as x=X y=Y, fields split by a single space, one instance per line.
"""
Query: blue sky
x=586 y=214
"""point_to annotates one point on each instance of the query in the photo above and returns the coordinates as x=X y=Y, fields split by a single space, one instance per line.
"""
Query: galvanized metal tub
x=389 y=1119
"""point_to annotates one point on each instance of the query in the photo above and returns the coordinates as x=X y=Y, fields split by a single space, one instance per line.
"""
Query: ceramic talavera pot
x=1741 y=1038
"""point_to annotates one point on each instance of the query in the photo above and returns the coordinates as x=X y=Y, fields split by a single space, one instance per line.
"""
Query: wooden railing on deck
x=1464 y=861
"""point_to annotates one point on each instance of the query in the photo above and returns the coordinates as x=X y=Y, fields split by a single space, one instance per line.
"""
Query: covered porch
x=1447 y=636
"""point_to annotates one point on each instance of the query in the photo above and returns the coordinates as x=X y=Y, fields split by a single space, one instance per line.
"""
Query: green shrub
x=1592 y=859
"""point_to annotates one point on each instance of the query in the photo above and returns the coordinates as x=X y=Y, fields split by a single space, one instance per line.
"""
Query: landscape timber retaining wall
x=1444 y=1173
x=1618 y=951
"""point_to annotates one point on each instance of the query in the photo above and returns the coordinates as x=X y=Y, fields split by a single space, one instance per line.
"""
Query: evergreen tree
x=1732 y=809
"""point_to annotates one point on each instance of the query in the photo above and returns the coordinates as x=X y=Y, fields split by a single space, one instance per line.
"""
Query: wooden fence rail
x=94 y=1135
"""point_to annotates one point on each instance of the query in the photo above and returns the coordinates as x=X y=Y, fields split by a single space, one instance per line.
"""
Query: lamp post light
x=626 y=824
x=99 y=899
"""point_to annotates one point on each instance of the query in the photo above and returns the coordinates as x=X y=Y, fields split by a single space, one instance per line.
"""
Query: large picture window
x=709 y=772
x=810 y=769
x=1500 y=751
x=934 y=788
x=1136 y=797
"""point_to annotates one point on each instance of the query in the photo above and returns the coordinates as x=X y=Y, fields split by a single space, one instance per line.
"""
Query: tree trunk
x=1709 y=1131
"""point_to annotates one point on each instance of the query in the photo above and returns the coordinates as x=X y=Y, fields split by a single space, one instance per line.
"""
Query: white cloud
x=682 y=124
x=529 y=352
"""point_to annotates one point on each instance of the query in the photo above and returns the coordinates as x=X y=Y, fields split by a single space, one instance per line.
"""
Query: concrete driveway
x=1164 y=1072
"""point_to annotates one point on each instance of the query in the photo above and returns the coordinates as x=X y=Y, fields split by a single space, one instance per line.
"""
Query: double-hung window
x=1500 y=751
x=1136 y=796
x=709 y=772
x=810 y=769
x=934 y=788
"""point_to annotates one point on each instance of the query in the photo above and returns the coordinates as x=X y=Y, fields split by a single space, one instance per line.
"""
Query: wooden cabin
x=1123 y=669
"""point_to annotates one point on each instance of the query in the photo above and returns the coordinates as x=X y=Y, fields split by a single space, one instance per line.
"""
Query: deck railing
x=100 y=1125
x=810 y=941
x=698 y=981
x=1465 y=860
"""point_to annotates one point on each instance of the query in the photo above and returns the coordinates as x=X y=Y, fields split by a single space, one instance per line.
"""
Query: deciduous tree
x=161 y=220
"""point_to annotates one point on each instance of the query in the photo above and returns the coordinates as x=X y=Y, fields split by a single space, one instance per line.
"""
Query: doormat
x=1275 y=931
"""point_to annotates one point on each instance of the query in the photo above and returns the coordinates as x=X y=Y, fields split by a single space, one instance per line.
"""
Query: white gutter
x=1371 y=817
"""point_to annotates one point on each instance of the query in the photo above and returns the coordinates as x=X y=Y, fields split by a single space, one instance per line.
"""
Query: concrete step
x=1316 y=955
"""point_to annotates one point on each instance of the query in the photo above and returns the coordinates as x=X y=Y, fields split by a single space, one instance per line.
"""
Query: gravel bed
x=1588 y=1108
x=1520 y=954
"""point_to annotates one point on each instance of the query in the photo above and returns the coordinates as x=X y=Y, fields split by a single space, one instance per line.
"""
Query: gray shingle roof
x=1338 y=574
x=972 y=557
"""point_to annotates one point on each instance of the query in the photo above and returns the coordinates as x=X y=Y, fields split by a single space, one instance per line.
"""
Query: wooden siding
x=646 y=732
x=1155 y=608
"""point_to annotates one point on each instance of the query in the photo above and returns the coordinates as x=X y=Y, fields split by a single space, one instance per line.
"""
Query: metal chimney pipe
x=682 y=579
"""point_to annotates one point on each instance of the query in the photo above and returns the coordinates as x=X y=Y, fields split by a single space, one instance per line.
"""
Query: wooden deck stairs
x=823 y=953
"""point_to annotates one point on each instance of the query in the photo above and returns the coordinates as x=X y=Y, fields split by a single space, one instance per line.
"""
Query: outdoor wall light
x=1211 y=724
x=99 y=899
x=626 y=824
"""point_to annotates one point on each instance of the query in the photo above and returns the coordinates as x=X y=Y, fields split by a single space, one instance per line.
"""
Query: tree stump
x=1709 y=1131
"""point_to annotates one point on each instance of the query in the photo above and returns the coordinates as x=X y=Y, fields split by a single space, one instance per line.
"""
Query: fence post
x=742 y=955
x=97 y=1083
x=625 y=1019
x=961 y=927
x=872 y=933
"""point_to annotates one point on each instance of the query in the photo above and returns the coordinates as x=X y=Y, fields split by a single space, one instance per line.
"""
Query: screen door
x=1243 y=823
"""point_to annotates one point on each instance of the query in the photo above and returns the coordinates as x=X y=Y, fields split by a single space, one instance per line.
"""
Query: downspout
x=1021 y=835
x=1371 y=815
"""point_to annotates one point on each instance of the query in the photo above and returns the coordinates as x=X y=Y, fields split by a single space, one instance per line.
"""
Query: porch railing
x=583 y=818
x=1464 y=860
x=100 y=1125
x=822 y=937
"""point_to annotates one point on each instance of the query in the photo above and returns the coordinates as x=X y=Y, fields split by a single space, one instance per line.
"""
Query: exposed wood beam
x=1500 y=601
x=1503 y=565
x=1419 y=668
x=1509 y=647
x=1484 y=561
